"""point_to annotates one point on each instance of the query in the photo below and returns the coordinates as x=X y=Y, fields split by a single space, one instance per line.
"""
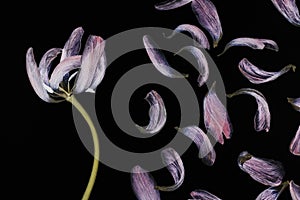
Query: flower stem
x=87 y=118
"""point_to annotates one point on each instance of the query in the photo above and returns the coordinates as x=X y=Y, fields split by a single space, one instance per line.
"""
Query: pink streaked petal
x=35 y=77
x=208 y=18
x=289 y=9
x=206 y=150
x=197 y=34
x=295 y=143
x=64 y=67
x=262 y=118
x=171 y=4
x=295 y=102
x=173 y=162
x=203 y=195
x=257 y=76
x=90 y=60
x=294 y=190
x=272 y=193
x=265 y=171
x=143 y=184
x=72 y=46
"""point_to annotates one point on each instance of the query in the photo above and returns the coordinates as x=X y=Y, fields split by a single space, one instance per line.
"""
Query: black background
x=43 y=157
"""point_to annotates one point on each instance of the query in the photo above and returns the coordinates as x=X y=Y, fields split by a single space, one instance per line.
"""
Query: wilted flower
x=88 y=68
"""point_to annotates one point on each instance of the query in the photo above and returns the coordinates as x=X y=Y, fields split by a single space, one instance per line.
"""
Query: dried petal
x=289 y=9
x=295 y=102
x=203 y=195
x=35 y=77
x=253 y=43
x=159 y=60
x=45 y=63
x=216 y=118
x=295 y=144
x=208 y=18
x=266 y=171
x=173 y=162
x=143 y=184
x=206 y=150
x=272 y=193
x=256 y=75
x=64 y=67
x=90 y=60
x=72 y=46
x=171 y=4
x=294 y=190
x=157 y=113
x=202 y=63
x=200 y=39
x=99 y=74
x=262 y=117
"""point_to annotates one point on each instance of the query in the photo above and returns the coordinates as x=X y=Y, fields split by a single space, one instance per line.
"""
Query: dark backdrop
x=43 y=157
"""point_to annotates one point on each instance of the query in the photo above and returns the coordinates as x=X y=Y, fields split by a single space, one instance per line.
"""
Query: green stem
x=87 y=118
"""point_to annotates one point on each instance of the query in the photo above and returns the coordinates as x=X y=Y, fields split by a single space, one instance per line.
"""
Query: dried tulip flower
x=72 y=75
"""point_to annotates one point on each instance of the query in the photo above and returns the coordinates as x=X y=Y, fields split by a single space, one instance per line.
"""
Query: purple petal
x=197 y=34
x=99 y=74
x=253 y=43
x=171 y=4
x=173 y=162
x=157 y=113
x=294 y=190
x=202 y=63
x=262 y=117
x=289 y=9
x=45 y=63
x=159 y=60
x=208 y=18
x=72 y=46
x=206 y=150
x=90 y=60
x=203 y=195
x=272 y=193
x=143 y=184
x=266 y=171
x=295 y=144
x=257 y=76
x=216 y=118
x=64 y=67
x=295 y=102
x=35 y=77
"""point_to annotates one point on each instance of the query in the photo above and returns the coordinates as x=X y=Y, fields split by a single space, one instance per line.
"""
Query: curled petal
x=272 y=193
x=203 y=195
x=99 y=74
x=208 y=18
x=173 y=162
x=253 y=43
x=295 y=144
x=262 y=117
x=143 y=184
x=45 y=63
x=90 y=60
x=63 y=68
x=216 y=119
x=266 y=171
x=289 y=9
x=202 y=63
x=35 y=77
x=294 y=190
x=157 y=113
x=196 y=33
x=72 y=46
x=206 y=150
x=295 y=102
x=159 y=60
x=171 y=4
x=256 y=75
